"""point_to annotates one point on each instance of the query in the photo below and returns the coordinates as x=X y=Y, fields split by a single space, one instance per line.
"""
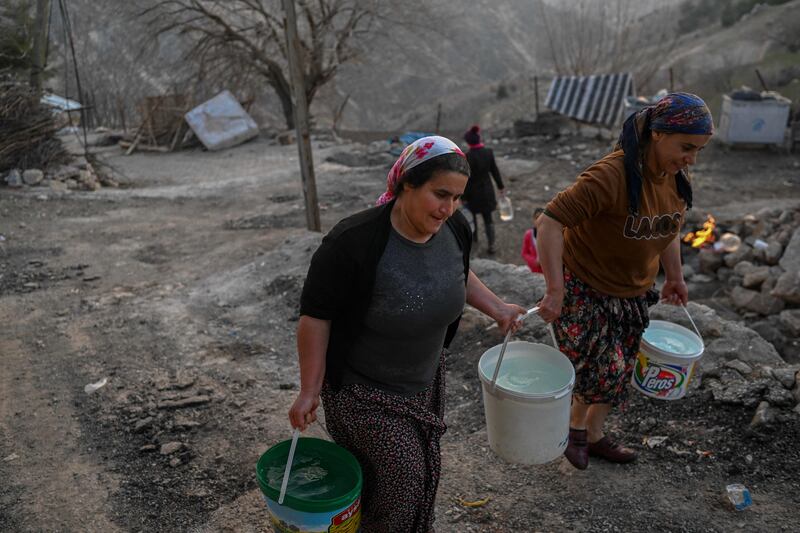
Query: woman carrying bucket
x=479 y=195
x=600 y=245
x=383 y=296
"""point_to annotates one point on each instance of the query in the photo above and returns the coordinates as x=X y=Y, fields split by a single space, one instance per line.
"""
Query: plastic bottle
x=505 y=208
x=739 y=496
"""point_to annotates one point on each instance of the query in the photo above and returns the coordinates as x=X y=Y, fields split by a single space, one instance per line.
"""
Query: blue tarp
x=60 y=103
x=398 y=143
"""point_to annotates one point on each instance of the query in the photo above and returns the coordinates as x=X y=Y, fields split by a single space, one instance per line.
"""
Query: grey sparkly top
x=419 y=291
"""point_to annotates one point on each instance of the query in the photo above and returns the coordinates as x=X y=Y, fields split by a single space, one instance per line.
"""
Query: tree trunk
x=284 y=93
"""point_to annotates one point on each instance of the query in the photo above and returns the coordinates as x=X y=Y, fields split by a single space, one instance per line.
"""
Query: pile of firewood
x=27 y=131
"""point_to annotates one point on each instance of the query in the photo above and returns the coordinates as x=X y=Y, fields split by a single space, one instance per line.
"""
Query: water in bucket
x=307 y=479
x=518 y=374
x=324 y=489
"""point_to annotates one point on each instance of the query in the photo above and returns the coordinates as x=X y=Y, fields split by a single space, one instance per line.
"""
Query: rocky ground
x=179 y=291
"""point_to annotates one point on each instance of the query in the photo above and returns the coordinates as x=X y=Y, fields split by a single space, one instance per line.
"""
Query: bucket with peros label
x=323 y=491
x=666 y=360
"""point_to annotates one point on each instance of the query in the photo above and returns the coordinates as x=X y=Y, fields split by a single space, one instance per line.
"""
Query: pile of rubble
x=771 y=391
x=79 y=175
x=760 y=275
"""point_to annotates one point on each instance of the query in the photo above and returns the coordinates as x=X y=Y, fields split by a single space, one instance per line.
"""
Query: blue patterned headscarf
x=674 y=113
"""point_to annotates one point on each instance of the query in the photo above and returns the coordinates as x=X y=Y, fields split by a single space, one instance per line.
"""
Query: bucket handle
x=288 y=469
x=520 y=318
x=686 y=310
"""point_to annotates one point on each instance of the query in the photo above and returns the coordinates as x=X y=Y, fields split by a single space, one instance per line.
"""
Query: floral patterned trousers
x=601 y=334
x=396 y=441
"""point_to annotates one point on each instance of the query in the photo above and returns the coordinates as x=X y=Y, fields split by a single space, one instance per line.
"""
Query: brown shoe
x=611 y=451
x=577 y=452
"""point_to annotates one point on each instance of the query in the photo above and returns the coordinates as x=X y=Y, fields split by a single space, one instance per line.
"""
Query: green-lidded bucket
x=324 y=491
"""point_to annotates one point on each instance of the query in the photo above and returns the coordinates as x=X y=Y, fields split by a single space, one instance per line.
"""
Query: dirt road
x=181 y=291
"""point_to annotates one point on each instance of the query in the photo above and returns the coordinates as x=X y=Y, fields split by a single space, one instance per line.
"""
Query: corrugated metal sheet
x=593 y=99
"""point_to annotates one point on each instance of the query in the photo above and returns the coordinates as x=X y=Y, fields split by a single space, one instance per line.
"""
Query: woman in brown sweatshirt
x=600 y=245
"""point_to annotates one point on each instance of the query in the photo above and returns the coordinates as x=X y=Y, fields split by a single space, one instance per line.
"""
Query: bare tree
x=613 y=35
x=244 y=39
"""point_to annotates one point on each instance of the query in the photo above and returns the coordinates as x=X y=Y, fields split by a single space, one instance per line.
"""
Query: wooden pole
x=536 y=94
x=301 y=120
x=761 y=79
x=40 y=43
x=671 y=80
x=438 y=117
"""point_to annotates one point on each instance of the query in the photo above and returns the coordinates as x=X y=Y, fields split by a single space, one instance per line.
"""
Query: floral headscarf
x=674 y=113
x=414 y=154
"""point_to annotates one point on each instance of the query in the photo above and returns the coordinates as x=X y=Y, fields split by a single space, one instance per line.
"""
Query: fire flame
x=702 y=236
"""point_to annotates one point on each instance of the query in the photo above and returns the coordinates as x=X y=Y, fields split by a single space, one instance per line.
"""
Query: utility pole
x=39 y=54
x=301 y=122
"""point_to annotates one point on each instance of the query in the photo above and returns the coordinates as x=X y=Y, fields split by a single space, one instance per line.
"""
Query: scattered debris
x=221 y=122
x=93 y=387
x=654 y=441
x=739 y=496
x=472 y=504
x=171 y=447
x=184 y=402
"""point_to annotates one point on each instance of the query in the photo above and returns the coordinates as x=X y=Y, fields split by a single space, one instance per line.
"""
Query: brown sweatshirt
x=610 y=250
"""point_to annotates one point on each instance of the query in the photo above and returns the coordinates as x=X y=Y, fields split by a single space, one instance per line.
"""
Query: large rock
x=725 y=340
x=773 y=253
x=744 y=253
x=743 y=268
x=32 y=176
x=788 y=287
x=764 y=415
x=759 y=302
x=755 y=277
x=778 y=396
x=786 y=376
x=790 y=321
x=710 y=261
x=513 y=283
x=790 y=260
x=742 y=392
x=66 y=172
x=769 y=331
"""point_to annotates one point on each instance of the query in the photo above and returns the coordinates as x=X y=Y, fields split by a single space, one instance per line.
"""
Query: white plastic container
x=221 y=122
x=527 y=424
x=666 y=359
x=505 y=208
x=753 y=121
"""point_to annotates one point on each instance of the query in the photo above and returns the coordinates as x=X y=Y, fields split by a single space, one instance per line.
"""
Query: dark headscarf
x=674 y=113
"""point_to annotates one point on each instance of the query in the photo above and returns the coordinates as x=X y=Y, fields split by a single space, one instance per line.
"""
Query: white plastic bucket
x=527 y=424
x=666 y=359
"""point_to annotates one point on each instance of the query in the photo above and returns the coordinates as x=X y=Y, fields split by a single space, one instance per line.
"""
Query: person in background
x=600 y=243
x=479 y=195
x=383 y=297
x=529 y=253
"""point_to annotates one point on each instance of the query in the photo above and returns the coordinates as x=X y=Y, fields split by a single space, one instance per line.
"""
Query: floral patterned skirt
x=600 y=334
x=396 y=441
